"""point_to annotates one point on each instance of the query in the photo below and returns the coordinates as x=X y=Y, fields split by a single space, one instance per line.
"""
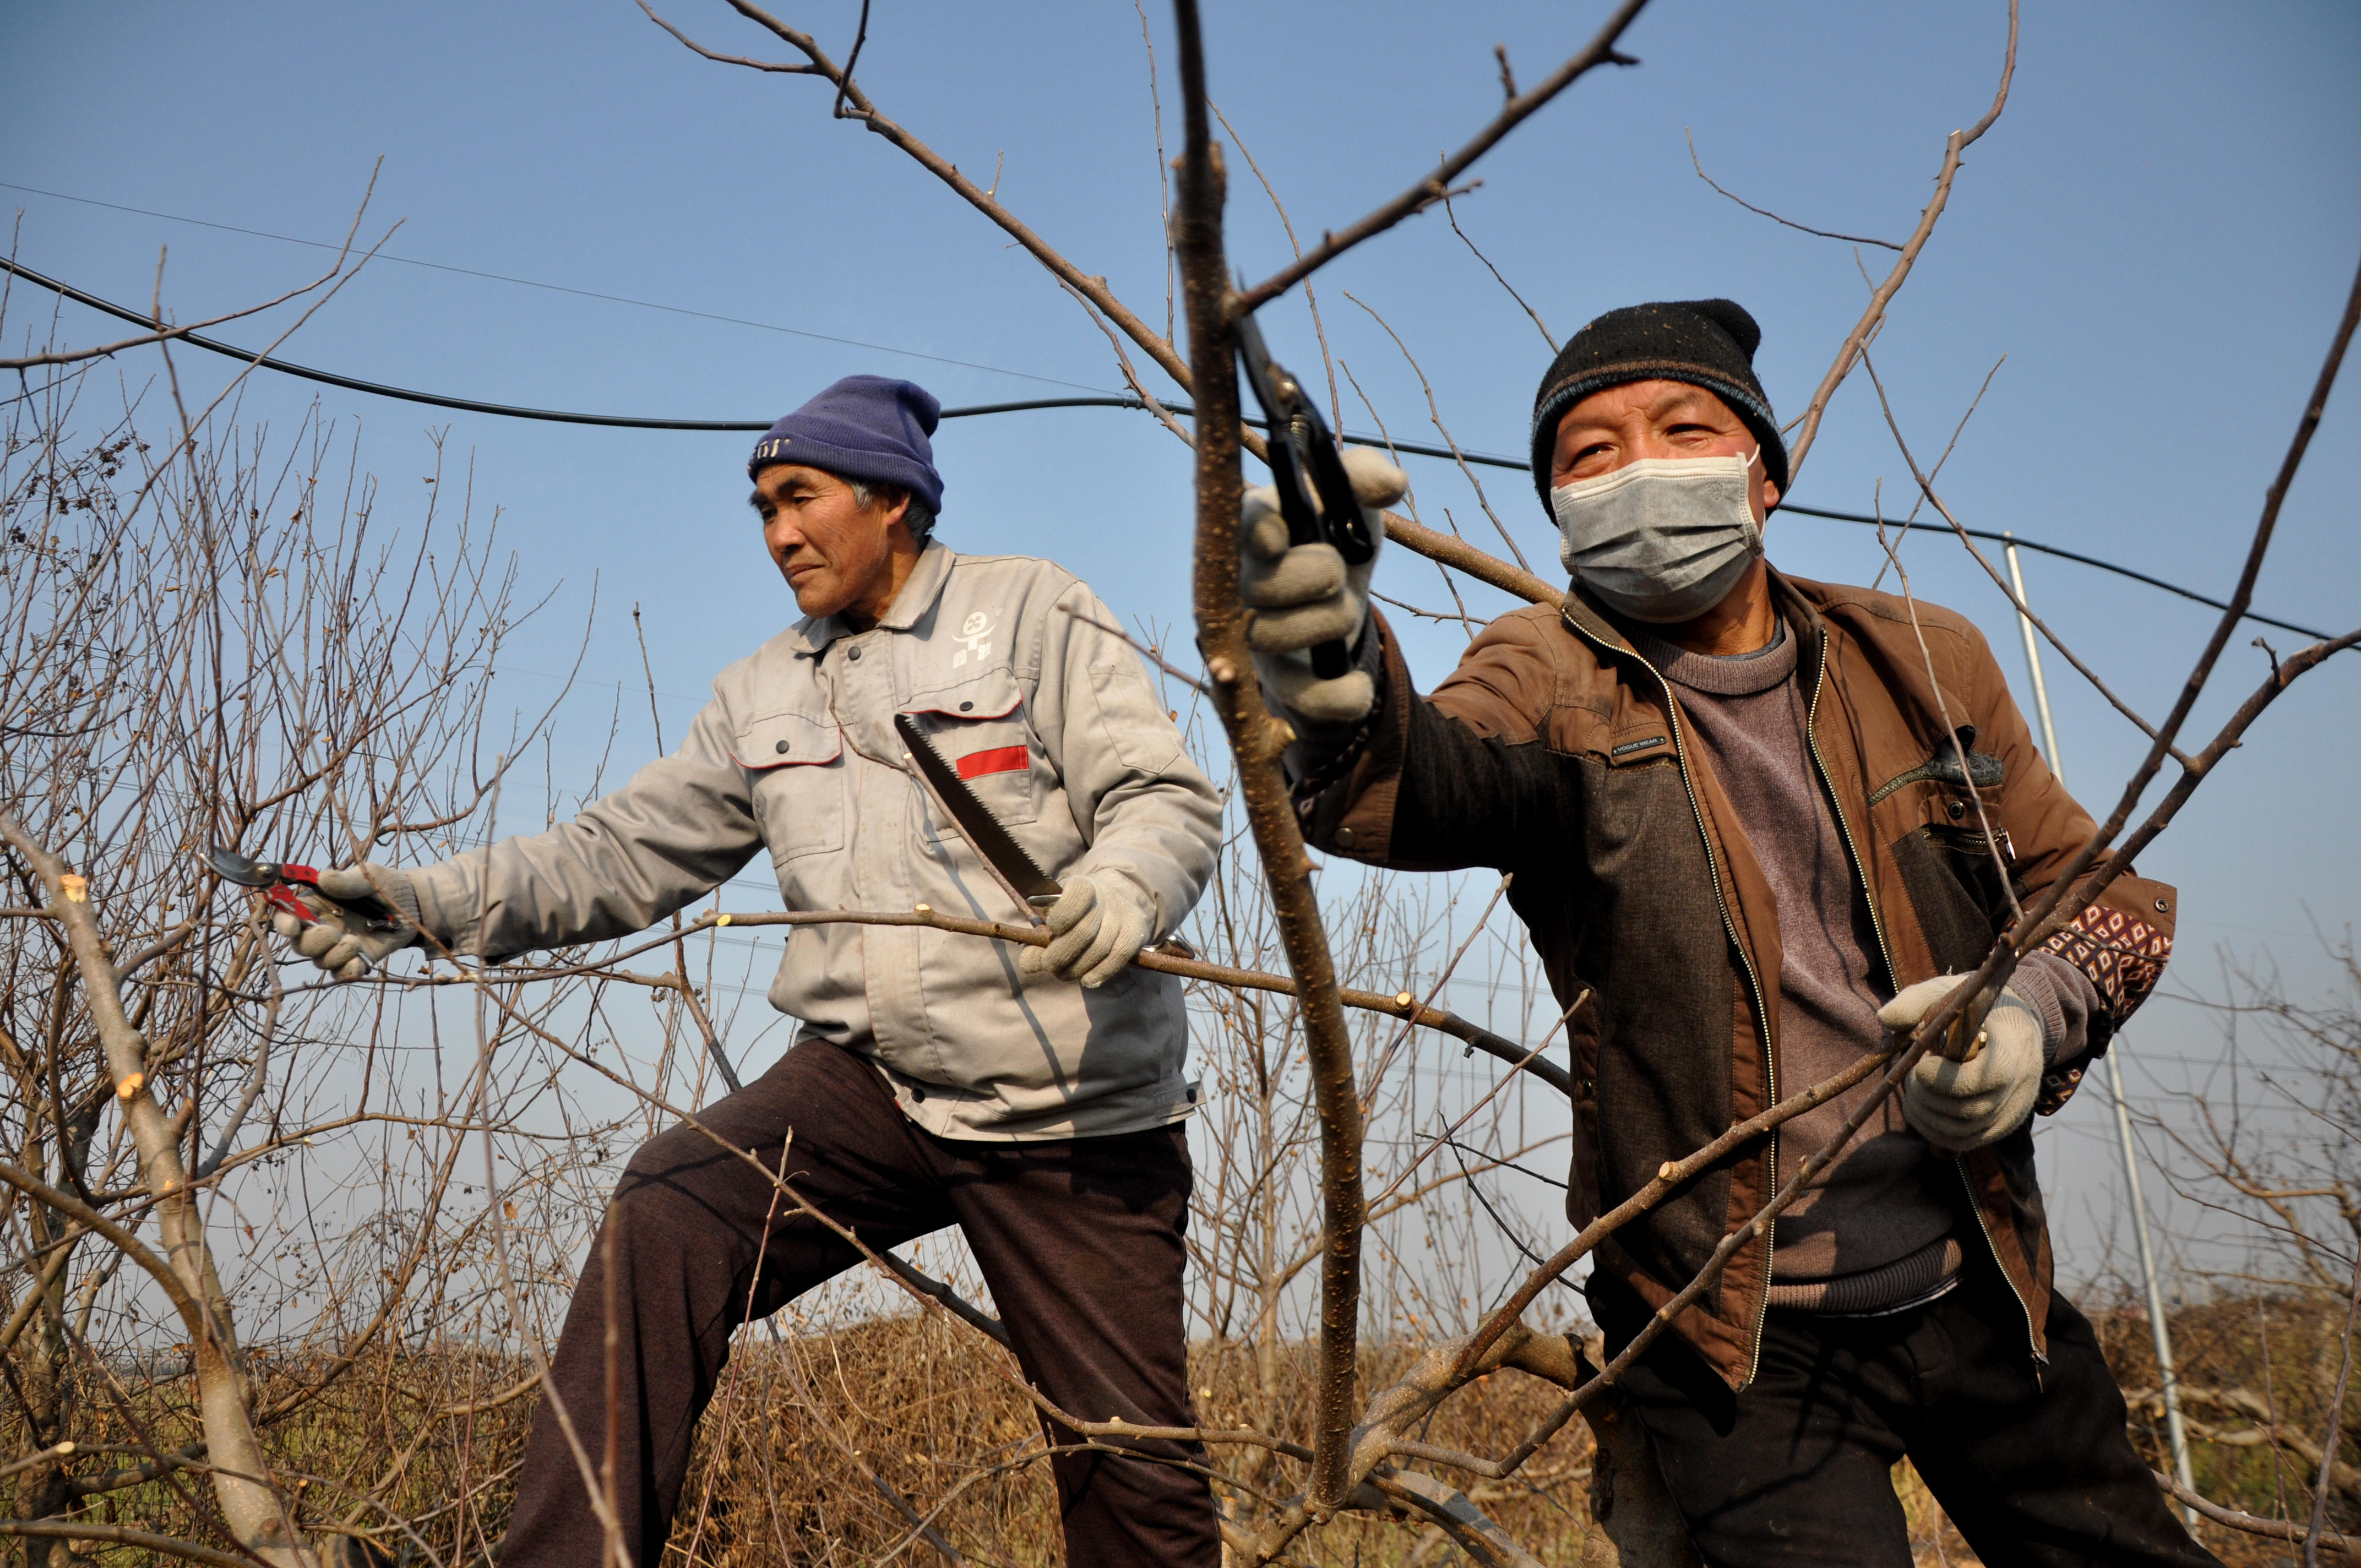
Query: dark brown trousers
x=1079 y=1240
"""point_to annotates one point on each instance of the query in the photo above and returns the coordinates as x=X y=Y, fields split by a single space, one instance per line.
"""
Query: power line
x=635 y=421
x=536 y=283
x=443 y=401
x=625 y=422
x=2064 y=554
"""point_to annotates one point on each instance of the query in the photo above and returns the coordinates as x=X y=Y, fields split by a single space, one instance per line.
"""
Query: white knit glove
x=1304 y=594
x=349 y=949
x=1958 y=1106
x=1096 y=933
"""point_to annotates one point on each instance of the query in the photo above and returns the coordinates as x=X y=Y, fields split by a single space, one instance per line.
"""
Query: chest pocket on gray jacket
x=795 y=764
x=980 y=727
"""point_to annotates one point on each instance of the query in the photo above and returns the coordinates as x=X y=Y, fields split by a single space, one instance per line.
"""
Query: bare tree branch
x=1883 y=295
x=1767 y=212
x=1436 y=186
x=166 y=333
x=2237 y=1518
x=1538 y=324
x=1926 y=483
x=817 y=63
x=1257 y=740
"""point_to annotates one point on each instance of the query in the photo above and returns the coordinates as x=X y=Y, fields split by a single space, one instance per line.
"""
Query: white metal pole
x=2033 y=663
x=2175 y=1433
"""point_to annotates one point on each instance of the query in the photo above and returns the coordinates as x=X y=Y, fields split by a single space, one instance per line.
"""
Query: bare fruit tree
x=194 y=655
x=2262 y=1346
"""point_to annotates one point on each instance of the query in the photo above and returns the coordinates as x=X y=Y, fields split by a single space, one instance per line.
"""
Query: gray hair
x=867 y=493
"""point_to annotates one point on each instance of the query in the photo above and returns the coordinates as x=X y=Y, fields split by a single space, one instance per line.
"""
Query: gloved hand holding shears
x=346 y=919
x=1307 y=544
x=1983 y=1091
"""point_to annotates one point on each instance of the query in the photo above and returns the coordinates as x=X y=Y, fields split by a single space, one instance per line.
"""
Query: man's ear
x=1766 y=495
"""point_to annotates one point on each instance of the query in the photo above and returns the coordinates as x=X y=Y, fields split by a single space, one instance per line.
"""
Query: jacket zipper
x=2032 y=1345
x=1836 y=806
x=1877 y=925
x=1745 y=962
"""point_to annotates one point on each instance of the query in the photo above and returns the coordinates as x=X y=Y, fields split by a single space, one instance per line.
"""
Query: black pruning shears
x=296 y=890
x=1315 y=494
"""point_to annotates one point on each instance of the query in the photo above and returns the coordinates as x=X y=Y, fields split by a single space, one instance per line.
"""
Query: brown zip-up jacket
x=1556 y=753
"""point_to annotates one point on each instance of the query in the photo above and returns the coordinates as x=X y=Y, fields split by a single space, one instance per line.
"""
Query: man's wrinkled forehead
x=1654 y=401
x=786 y=479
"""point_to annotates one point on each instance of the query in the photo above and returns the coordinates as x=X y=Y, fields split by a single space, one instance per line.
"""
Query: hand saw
x=985 y=831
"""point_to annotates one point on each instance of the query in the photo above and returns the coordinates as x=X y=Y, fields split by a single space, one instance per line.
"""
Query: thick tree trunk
x=1256 y=738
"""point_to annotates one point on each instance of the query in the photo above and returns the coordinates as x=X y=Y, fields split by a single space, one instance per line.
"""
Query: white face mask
x=1663 y=539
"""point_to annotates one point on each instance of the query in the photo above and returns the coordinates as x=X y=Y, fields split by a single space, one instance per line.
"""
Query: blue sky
x=2158 y=234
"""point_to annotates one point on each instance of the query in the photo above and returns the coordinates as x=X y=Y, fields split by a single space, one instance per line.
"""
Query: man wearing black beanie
x=1747 y=818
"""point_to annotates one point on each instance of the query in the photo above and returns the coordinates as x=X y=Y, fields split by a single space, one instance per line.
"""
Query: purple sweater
x=1876 y=1230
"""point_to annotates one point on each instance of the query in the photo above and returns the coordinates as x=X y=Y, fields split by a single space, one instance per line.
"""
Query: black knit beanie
x=1707 y=343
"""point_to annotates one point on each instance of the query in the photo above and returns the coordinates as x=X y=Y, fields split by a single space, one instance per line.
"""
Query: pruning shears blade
x=232 y=867
x=1265 y=378
x=1964 y=1040
x=1315 y=493
x=295 y=889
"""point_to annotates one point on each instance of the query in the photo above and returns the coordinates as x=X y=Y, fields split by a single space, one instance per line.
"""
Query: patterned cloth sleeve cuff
x=2122 y=954
x=2066 y=998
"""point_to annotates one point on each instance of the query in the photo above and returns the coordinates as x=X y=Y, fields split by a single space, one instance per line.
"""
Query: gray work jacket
x=1055 y=726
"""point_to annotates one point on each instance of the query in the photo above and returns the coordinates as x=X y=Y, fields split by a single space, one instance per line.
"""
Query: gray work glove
x=1963 y=1105
x=1304 y=594
x=346 y=950
x=1097 y=930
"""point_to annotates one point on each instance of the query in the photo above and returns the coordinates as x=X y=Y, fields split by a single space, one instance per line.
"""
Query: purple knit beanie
x=863 y=427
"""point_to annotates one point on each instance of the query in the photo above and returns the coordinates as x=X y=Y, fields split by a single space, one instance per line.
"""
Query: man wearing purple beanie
x=1032 y=1096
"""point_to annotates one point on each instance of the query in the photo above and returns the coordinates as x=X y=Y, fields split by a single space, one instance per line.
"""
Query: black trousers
x=1796 y=1469
x=1080 y=1241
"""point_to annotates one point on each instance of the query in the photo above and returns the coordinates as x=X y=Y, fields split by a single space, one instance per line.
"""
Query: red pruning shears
x=296 y=890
